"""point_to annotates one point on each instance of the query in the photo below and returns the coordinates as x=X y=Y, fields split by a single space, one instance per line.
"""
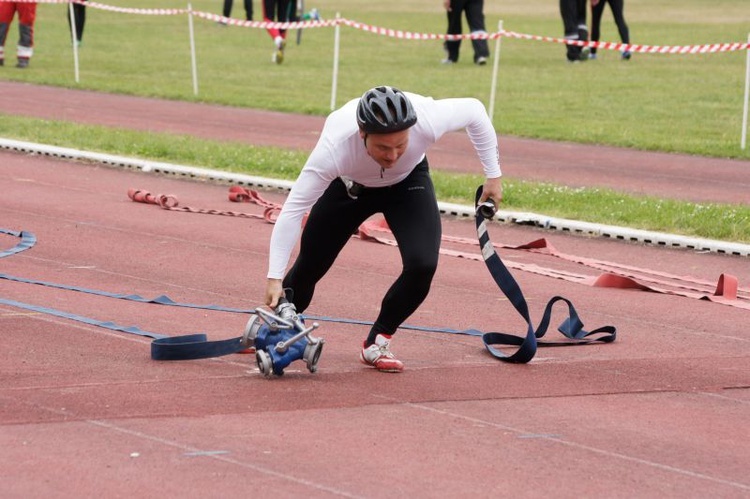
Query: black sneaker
x=23 y=63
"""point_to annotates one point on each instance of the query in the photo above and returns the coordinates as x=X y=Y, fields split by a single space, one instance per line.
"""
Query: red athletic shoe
x=380 y=357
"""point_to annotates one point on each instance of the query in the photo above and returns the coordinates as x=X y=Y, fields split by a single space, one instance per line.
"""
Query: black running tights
x=410 y=208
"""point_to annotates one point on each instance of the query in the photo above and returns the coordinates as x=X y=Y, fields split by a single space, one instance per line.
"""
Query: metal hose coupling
x=280 y=338
x=487 y=209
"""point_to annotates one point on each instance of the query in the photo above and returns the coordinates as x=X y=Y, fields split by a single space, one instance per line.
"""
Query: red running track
x=662 y=412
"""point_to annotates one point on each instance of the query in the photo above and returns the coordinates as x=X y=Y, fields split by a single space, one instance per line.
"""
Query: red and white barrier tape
x=647 y=49
x=127 y=10
x=409 y=35
x=264 y=24
x=111 y=8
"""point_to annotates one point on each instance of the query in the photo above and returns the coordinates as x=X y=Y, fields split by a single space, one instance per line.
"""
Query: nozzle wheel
x=312 y=355
x=265 y=363
x=251 y=331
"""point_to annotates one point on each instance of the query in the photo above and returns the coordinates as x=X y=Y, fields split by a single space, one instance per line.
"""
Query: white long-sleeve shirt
x=340 y=151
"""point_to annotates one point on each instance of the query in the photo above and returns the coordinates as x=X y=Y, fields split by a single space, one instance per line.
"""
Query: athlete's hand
x=447 y=5
x=492 y=189
x=274 y=291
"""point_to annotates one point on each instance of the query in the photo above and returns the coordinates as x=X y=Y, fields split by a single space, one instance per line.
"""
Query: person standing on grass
x=26 y=18
x=573 y=14
x=597 y=9
x=371 y=158
x=79 y=18
x=227 y=10
x=279 y=11
x=474 y=10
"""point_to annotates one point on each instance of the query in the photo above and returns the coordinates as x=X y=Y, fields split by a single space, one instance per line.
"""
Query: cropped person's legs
x=26 y=19
x=622 y=27
x=455 y=27
x=596 y=23
x=569 y=14
x=7 y=11
x=475 y=19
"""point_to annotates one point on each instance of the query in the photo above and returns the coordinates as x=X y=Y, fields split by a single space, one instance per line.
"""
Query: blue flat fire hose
x=197 y=346
x=572 y=327
x=28 y=240
x=193 y=346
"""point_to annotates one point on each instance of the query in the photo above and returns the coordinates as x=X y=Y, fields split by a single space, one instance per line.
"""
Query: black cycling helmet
x=385 y=110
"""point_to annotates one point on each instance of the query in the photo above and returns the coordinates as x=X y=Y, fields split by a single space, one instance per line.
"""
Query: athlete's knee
x=420 y=271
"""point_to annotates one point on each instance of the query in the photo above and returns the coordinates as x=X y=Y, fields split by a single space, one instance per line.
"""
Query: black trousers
x=596 y=21
x=79 y=15
x=474 y=10
x=227 y=11
x=573 y=14
x=410 y=208
x=280 y=10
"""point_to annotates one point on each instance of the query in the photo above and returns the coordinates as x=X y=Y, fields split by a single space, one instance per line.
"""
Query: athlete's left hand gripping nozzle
x=282 y=338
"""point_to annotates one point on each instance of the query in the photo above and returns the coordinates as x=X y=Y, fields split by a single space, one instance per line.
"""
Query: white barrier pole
x=495 y=65
x=743 y=142
x=336 y=40
x=192 y=50
x=74 y=40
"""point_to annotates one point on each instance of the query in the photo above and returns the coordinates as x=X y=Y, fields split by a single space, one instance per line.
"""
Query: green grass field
x=677 y=103
x=685 y=103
